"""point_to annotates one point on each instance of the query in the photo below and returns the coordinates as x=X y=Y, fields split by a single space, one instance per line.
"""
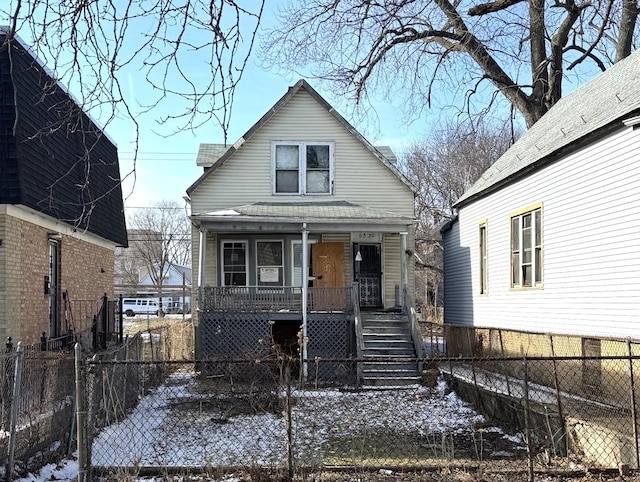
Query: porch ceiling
x=318 y=216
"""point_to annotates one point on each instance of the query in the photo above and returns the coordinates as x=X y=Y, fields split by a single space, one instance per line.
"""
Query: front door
x=54 y=278
x=327 y=264
x=368 y=274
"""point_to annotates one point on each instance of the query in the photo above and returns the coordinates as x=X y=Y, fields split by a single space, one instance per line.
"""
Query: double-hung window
x=302 y=167
x=234 y=263
x=526 y=248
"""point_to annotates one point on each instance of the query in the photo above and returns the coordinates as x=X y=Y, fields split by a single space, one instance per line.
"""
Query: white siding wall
x=359 y=177
x=591 y=247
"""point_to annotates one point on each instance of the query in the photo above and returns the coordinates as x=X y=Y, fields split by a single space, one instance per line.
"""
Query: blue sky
x=166 y=164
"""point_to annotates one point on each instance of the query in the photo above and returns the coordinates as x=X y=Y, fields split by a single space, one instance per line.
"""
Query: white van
x=139 y=306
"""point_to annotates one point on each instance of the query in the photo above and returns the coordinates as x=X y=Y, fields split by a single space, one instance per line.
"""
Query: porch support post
x=305 y=292
x=403 y=271
x=202 y=250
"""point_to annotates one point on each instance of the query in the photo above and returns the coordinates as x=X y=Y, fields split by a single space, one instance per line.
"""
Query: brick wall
x=86 y=272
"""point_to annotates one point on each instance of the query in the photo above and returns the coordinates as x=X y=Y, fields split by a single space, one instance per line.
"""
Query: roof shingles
x=612 y=95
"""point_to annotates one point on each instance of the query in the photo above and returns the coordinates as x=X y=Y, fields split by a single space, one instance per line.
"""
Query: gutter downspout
x=305 y=288
x=202 y=249
x=403 y=271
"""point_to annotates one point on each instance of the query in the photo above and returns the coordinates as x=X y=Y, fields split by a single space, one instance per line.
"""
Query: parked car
x=139 y=306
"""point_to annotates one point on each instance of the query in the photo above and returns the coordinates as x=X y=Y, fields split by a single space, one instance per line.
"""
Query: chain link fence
x=38 y=395
x=148 y=407
x=518 y=416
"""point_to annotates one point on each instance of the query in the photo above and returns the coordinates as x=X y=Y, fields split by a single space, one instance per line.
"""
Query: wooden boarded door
x=327 y=263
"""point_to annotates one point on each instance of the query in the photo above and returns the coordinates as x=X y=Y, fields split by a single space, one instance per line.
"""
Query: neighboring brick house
x=61 y=208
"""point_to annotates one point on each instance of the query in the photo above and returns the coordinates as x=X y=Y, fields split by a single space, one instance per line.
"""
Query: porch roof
x=326 y=216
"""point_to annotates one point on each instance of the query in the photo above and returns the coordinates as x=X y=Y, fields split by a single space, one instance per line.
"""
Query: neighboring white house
x=176 y=288
x=286 y=220
x=548 y=239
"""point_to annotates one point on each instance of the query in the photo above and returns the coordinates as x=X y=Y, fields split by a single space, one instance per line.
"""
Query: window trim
x=483 y=254
x=246 y=260
x=302 y=167
x=535 y=260
x=293 y=261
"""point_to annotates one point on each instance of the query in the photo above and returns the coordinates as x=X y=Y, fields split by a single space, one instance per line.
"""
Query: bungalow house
x=61 y=209
x=298 y=226
x=546 y=242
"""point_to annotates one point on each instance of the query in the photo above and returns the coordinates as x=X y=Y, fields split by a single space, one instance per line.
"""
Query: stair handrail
x=416 y=337
x=358 y=328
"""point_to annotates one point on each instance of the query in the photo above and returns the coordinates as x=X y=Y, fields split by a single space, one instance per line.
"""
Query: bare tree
x=191 y=56
x=442 y=168
x=446 y=164
x=418 y=48
x=162 y=239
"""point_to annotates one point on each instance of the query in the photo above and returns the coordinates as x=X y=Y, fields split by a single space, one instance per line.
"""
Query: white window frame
x=483 y=251
x=302 y=167
x=258 y=266
x=293 y=263
x=517 y=262
x=246 y=259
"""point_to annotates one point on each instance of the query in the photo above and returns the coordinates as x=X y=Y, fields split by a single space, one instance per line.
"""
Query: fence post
x=288 y=420
x=527 y=422
x=105 y=321
x=15 y=404
x=120 y=318
x=80 y=416
x=634 y=413
x=556 y=381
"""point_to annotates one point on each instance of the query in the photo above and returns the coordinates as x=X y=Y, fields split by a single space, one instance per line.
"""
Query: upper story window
x=302 y=168
x=526 y=248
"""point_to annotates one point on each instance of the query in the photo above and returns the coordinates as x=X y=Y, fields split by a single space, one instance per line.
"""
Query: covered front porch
x=268 y=268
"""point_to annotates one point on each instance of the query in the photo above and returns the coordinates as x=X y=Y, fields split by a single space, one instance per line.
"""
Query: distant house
x=129 y=263
x=298 y=223
x=61 y=209
x=176 y=288
x=548 y=239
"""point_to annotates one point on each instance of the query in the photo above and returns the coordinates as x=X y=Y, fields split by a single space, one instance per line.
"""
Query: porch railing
x=280 y=299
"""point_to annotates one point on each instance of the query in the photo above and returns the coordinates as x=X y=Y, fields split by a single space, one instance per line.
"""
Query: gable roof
x=293 y=90
x=590 y=109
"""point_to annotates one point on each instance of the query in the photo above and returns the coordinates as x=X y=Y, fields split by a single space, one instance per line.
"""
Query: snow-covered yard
x=182 y=424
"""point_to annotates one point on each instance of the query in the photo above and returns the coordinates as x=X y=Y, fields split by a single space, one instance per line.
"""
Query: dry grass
x=143 y=323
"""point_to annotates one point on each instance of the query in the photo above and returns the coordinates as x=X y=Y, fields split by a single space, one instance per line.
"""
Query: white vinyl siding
x=358 y=176
x=391 y=276
x=591 y=259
